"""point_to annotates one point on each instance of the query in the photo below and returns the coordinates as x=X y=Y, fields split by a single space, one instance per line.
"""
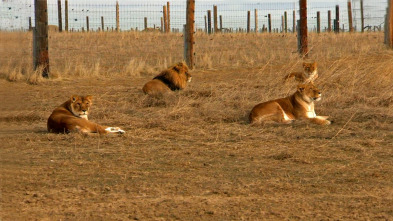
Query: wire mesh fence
x=137 y=15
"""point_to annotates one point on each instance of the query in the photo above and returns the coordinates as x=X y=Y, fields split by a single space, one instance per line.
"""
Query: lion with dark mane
x=173 y=78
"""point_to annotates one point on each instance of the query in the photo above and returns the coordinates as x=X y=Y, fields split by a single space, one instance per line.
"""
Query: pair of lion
x=299 y=105
x=72 y=115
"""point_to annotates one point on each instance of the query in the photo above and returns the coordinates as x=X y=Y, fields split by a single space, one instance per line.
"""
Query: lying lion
x=72 y=116
x=174 y=78
x=300 y=105
x=309 y=74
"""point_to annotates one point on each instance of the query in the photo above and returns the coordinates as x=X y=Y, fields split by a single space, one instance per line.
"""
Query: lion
x=72 y=116
x=174 y=78
x=309 y=74
x=300 y=105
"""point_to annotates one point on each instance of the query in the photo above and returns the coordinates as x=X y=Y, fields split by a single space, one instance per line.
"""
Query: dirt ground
x=192 y=155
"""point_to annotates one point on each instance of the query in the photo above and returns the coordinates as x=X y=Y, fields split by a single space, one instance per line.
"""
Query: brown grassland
x=192 y=155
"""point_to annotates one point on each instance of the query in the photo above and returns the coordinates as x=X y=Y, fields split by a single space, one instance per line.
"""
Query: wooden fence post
x=269 y=23
x=303 y=31
x=189 y=34
x=102 y=23
x=87 y=24
x=248 y=21
x=59 y=15
x=256 y=20
x=168 y=14
x=162 y=25
x=286 y=21
x=40 y=38
x=389 y=24
x=215 y=19
x=294 y=22
x=145 y=21
x=329 y=28
x=220 y=23
x=117 y=17
x=66 y=15
x=318 y=22
x=350 y=16
x=282 y=24
x=30 y=26
x=209 y=21
x=165 y=19
x=206 y=24
x=362 y=15
x=337 y=22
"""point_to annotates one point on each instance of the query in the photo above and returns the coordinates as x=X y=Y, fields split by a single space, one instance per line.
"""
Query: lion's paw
x=115 y=130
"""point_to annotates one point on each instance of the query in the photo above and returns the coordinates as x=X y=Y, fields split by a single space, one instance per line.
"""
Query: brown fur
x=309 y=74
x=174 y=78
x=72 y=116
x=300 y=105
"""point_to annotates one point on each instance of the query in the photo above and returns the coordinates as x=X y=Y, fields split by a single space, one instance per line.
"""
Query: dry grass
x=191 y=155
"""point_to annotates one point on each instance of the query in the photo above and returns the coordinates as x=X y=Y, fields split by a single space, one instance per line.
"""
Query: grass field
x=192 y=155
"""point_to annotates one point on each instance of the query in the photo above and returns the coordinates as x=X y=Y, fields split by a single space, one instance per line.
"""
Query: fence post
x=294 y=21
x=205 y=24
x=165 y=19
x=162 y=25
x=66 y=15
x=248 y=21
x=256 y=20
x=282 y=24
x=145 y=21
x=215 y=19
x=220 y=23
x=117 y=17
x=209 y=21
x=59 y=15
x=389 y=24
x=286 y=21
x=361 y=14
x=318 y=22
x=269 y=23
x=87 y=23
x=40 y=37
x=337 y=22
x=168 y=14
x=329 y=29
x=102 y=23
x=350 y=16
x=30 y=26
x=189 y=34
x=303 y=32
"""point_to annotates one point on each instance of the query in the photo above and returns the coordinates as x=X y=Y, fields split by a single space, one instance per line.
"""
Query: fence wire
x=15 y=14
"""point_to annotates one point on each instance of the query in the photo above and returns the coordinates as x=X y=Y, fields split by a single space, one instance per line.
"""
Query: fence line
x=14 y=15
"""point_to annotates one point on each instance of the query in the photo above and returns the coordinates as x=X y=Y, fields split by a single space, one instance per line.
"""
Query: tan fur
x=174 y=78
x=309 y=74
x=72 y=116
x=300 y=105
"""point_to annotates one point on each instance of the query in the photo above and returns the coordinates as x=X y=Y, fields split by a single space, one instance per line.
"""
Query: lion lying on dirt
x=309 y=74
x=300 y=105
x=72 y=116
x=174 y=78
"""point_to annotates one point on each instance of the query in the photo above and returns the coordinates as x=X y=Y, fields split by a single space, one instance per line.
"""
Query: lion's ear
x=89 y=98
x=74 y=98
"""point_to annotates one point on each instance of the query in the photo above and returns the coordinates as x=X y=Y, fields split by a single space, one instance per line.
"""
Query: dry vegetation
x=192 y=155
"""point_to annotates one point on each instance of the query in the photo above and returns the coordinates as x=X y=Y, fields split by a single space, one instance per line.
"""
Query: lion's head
x=310 y=67
x=80 y=106
x=176 y=76
x=309 y=92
